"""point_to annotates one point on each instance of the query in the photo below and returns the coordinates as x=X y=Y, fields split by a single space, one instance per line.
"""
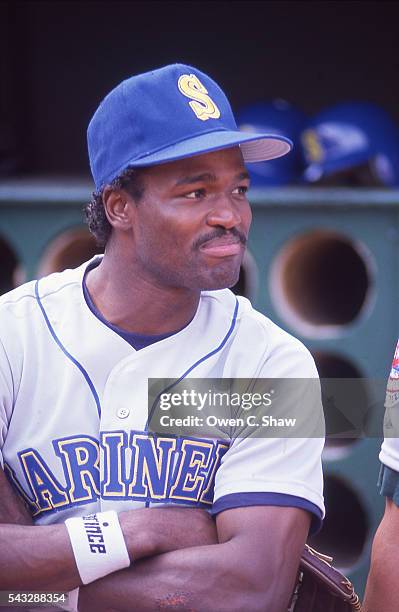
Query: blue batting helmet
x=276 y=117
x=349 y=135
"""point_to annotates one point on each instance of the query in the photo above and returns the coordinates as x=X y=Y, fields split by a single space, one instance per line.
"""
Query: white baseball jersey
x=389 y=454
x=73 y=408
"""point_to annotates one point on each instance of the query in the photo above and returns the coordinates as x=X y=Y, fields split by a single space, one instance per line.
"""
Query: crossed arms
x=182 y=559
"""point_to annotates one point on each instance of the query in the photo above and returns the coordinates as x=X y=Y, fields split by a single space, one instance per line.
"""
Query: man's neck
x=137 y=305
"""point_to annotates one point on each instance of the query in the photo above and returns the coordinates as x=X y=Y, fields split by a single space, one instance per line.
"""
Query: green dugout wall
x=323 y=264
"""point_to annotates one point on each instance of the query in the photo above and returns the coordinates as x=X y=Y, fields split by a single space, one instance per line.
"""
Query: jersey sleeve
x=277 y=470
x=6 y=396
x=388 y=483
x=11 y=357
x=389 y=454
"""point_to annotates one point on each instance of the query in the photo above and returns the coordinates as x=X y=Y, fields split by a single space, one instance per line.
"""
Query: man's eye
x=195 y=195
x=241 y=190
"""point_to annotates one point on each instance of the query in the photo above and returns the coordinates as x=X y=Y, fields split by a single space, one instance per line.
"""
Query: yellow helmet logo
x=201 y=103
x=312 y=145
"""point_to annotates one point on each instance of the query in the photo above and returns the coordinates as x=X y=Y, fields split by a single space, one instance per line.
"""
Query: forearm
x=382 y=591
x=32 y=557
x=204 y=578
x=37 y=558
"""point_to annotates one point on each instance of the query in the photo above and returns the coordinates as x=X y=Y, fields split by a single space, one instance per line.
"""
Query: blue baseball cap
x=165 y=115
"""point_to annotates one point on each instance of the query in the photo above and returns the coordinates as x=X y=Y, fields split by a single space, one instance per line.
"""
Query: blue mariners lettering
x=47 y=492
x=80 y=458
x=151 y=466
x=136 y=466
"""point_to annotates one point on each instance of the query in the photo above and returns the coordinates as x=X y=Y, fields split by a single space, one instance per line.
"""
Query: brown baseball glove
x=322 y=588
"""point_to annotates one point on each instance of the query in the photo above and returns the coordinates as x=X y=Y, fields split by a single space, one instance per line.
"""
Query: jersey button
x=123 y=413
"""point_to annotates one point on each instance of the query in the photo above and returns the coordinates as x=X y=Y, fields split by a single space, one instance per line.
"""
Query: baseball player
x=137 y=520
x=382 y=589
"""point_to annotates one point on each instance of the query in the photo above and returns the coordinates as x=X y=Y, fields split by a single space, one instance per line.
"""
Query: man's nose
x=224 y=213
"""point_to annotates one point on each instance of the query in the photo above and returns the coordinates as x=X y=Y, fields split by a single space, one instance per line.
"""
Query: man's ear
x=118 y=208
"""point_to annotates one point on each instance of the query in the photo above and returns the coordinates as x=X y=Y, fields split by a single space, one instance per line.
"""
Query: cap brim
x=254 y=147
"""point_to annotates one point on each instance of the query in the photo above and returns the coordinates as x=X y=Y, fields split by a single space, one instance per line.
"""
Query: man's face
x=191 y=225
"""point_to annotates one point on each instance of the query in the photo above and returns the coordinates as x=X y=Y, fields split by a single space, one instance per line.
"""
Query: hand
x=186 y=527
x=152 y=531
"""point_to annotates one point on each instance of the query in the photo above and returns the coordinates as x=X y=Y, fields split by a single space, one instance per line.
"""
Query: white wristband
x=98 y=545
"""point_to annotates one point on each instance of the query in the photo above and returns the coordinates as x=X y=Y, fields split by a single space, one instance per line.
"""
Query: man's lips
x=224 y=246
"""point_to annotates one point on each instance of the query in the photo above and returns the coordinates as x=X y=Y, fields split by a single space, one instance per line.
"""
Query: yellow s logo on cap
x=202 y=104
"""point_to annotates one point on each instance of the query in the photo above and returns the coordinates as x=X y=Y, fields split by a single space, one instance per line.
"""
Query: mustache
x=220 y=233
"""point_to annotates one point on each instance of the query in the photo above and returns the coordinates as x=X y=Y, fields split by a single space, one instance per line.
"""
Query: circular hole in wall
x=321 y=281
x=345 y=402
x=345 y=529
x=68 y=250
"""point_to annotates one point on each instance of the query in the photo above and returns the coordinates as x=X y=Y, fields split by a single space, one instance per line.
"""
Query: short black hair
x=99 y=226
